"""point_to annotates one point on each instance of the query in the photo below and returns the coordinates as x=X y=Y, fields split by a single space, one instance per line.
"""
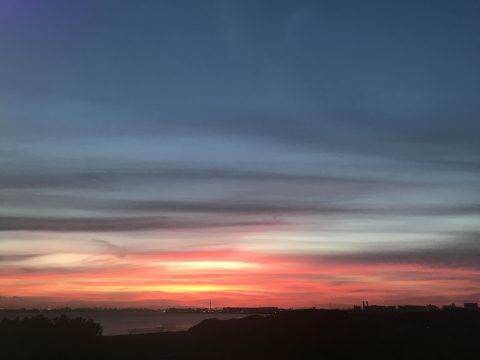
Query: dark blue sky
x=345 y=129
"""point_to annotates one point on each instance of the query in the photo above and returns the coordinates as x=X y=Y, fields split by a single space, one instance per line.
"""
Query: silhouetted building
x=412 y=308
x=257 y=310
x=470 y=306
x=449 y=307
x=376 y=308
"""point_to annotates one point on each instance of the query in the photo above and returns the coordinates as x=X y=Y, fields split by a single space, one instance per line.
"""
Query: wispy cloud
x=122 y=223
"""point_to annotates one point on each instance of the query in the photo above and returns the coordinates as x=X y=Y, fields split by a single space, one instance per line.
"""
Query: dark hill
x=306 y=334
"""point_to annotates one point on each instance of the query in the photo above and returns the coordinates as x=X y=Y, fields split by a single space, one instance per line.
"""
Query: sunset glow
x=261 y=279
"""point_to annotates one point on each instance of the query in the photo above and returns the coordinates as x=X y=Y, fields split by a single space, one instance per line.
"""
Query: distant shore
x=263 y=310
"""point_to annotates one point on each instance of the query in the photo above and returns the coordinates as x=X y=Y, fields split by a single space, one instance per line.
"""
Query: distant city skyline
x=251 y=153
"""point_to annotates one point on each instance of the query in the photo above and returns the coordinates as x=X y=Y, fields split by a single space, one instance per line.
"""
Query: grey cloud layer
x=236 y=206
x=309 y=75
x=88 y=96
x=463 y=251
x=121 y=224
x=91 y=178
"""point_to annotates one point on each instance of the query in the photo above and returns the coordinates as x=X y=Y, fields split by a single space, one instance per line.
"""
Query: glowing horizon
x=170 y=279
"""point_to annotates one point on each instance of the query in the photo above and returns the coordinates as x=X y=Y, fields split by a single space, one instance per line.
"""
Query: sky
x=249 y=153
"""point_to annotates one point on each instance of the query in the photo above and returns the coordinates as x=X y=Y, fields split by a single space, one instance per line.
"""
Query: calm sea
x=119 y=322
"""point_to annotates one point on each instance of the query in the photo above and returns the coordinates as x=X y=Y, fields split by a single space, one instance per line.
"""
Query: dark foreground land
x=301 y=334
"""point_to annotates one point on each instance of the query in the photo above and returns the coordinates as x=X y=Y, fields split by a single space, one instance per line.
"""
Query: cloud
x=463 y=252
x=118 y=250
x=31 y=179
x=122 y=224
x=17 y=257
x=235 y=205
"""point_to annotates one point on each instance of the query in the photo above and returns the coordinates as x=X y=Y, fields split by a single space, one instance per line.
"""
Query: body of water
x=119 y=322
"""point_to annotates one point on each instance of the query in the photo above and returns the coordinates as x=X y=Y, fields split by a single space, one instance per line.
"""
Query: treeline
x=40 y=337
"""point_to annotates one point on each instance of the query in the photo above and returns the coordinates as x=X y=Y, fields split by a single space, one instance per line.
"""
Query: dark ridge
x=299 y=334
